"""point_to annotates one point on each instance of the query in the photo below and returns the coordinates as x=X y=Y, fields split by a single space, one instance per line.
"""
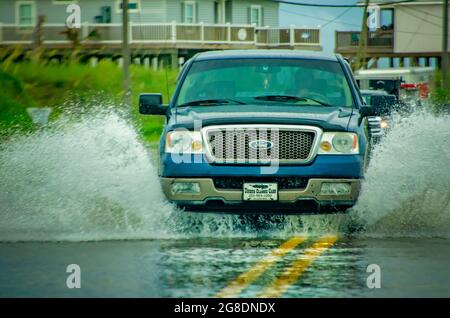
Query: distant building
x=259 y=12
x=406 y=30
x=158 y=27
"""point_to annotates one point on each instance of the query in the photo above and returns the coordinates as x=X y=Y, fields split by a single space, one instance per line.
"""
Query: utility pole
x=126 y=53
x=362 y=44
x=444 y=62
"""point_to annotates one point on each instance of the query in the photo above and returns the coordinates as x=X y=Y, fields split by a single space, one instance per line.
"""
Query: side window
x=25 y=13
x=255 y=15
x=189 y=82
x=183 y=69
x=349 y=70
x=189 y=12
x=387 y=19
x=367 y=99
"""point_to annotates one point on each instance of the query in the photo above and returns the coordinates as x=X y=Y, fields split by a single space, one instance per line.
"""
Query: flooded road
x=209 y=267
x=85 y=191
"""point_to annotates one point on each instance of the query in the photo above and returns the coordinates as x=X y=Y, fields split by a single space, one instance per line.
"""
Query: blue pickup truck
x=259 y=131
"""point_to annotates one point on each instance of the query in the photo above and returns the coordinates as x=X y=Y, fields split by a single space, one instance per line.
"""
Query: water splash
x=77 y=179
x=406 y=191
x=88 y=177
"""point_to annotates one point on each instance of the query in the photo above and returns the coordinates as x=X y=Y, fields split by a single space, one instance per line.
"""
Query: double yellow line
x=288 y=277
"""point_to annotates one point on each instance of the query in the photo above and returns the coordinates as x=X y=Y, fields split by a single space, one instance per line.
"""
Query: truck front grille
x=237 y=183
x=261 y=145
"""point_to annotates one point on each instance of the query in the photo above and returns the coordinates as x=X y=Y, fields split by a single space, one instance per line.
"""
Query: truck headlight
x=339 y=143
x=184 y=142
x=343 y=142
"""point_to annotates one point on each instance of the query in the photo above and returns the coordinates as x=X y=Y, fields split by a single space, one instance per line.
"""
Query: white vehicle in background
x=409 y=84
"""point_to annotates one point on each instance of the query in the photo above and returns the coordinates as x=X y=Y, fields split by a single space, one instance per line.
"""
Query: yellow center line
x=243 y=280
x=292 y=273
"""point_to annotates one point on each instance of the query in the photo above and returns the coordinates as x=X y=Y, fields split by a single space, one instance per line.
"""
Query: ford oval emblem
x=260 y=144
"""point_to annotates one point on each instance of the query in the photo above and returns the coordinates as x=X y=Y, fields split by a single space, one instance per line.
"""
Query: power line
x=420 y=18
x=319 y=18
x=337 y=17
x=350 y=24
x=337 y=5
x=428 y=13
x=411 y=39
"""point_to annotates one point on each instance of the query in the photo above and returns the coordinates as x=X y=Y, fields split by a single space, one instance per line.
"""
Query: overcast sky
x=347 y=19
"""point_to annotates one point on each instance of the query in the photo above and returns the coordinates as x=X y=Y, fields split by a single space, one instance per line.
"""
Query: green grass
x=440 y=98
x=52 y=85
x=13 y=103
x=163 y=82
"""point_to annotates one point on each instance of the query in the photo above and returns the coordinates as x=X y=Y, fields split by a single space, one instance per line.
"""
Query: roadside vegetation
x=440 y=98
x=39 y=84
x=28 y=84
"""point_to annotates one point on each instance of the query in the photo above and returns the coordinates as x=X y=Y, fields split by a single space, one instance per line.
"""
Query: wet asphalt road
x=242 y=267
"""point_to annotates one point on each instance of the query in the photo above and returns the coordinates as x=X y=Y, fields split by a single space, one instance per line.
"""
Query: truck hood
x=328 y=118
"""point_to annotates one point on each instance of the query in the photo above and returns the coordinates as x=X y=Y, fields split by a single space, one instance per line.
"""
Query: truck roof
x=373 y=92
x=226 y=54
x=398 y=71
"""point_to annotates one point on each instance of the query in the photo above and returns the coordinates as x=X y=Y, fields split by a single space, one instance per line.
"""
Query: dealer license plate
x=260 y=192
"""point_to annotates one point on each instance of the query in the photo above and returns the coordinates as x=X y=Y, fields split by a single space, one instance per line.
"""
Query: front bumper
x=322 y=167
x=308 y=199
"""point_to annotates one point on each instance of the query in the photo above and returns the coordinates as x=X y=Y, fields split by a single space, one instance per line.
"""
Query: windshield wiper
x=316 y=101
x=287 y=98
x=280 y=98
x=212 y=102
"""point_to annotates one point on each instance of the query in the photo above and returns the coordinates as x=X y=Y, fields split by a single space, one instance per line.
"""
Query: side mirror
x=367 y=110
x=151 y=104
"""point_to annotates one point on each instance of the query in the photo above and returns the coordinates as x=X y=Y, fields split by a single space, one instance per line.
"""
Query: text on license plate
x=260 y=192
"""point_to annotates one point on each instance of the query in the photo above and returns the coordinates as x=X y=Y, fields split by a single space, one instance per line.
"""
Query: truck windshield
x=265 y=81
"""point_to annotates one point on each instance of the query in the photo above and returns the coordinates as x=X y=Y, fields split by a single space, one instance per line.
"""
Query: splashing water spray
x=89 y=177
